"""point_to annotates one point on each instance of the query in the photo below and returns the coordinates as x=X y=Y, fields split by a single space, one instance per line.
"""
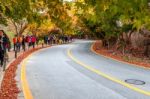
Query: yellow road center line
x=107 y=76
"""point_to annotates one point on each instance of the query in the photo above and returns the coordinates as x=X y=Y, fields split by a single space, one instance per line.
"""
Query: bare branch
x=23 y=28
x=15 y=25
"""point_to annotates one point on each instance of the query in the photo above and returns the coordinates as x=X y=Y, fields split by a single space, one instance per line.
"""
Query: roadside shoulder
x=97 y=49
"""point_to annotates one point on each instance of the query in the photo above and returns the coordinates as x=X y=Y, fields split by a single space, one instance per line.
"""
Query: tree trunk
x=16 y=28
x=146 y=50
x=23 y=28
x=117 y=43
x=129 y=38
x=108 y=44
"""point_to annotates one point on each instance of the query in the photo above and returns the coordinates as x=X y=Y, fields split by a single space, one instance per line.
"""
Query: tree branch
x=23 y=28
x=16 y=28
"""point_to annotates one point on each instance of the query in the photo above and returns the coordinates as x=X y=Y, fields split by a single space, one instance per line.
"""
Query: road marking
x=107 y=76
x=25 y=86
x=116 y=59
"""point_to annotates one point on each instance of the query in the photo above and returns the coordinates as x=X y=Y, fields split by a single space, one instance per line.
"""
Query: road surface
x=73 y=71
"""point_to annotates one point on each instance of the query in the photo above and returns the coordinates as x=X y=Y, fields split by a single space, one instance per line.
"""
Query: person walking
x=54 y=39
x=4 y=41
x=33 y=40
x=23 y=43
x=1 y=49
x=28 y=39
x=19 y=42
x=51 y=39
x=15 y=42
x=46 y=40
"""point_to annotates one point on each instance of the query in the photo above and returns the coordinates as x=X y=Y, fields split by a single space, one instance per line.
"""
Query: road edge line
x=25 y=87
x=24 y=83
x=107 y=76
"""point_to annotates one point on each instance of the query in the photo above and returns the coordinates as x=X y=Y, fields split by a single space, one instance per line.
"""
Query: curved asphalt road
x=52 y=74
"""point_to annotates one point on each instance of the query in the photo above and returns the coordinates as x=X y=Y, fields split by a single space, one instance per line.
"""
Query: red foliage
x=9 y=89
x=103 y=51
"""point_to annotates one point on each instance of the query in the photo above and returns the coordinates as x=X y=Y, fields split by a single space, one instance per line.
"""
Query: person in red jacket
x=28 y=41
x=33 y=40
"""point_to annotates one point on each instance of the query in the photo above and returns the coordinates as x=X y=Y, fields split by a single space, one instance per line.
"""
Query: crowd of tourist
x=59 y=39
x=24 y=42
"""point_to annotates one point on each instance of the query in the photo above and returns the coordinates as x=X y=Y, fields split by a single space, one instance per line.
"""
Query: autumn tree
x=114 y=18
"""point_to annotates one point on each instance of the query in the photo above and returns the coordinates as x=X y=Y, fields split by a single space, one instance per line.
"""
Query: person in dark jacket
x=23 y=42
x=4 y=43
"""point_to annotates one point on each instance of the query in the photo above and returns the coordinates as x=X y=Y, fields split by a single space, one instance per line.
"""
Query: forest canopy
x=108 y=20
